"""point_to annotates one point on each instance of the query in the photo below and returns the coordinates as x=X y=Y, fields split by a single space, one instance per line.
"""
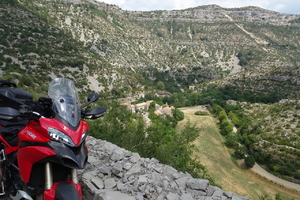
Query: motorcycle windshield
x=65 y=100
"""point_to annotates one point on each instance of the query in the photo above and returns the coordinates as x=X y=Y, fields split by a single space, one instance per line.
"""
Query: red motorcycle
x=42 y=143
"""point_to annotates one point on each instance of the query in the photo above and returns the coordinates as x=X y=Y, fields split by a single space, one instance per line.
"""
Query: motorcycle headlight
x=84 y=135
x=59 y=136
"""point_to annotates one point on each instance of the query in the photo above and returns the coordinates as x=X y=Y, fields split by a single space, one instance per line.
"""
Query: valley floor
x=229 y=175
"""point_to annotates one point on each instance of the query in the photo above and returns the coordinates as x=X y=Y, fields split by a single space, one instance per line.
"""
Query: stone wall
x=115 y=173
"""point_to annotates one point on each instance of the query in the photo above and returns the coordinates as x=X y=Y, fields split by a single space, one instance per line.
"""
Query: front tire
x=66 y=191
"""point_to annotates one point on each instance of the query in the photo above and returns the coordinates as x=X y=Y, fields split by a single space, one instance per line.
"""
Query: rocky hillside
x=116 y=51
x=277 y=138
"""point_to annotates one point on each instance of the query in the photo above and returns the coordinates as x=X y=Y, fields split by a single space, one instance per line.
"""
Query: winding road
x=260 y=171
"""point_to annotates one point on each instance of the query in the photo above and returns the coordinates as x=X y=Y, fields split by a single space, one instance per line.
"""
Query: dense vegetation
x=263 y=140
x=213 y=94
x=273 y=145
x=160 y=140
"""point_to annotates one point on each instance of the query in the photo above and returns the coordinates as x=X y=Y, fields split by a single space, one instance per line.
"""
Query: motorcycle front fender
x=64 y=191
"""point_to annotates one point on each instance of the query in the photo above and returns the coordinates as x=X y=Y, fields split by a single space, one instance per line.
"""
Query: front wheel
x=66 y=191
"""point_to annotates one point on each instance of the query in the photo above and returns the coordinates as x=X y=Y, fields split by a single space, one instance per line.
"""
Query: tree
x=244 y=57
x=217 y=108
x=249 y=161
x=285 y=170
x=160 y=85
x=178 y=114
x=234 y=118
x=232 y=140
x=240 y=152
x=120 y=127
x=297 y=175
x=152 y=107
x=226 y=127
x=222 y=115
x=189 y=133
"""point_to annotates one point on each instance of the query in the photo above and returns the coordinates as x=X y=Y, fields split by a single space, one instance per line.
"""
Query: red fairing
x=30 y=155
x=50 y=194
x=34 y=132
x=74 y=135
x=8 y=149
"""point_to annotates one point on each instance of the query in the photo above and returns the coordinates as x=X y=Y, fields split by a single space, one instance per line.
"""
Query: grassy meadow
x=227 y=172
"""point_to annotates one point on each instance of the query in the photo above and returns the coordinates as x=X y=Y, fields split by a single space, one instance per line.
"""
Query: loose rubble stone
x=111 y=195
x=135 y=157
x=198 y=184
x=117 y=168
x=115 y=173
x=110 y=183
x=181 y=182
x=186 y=197
x=172 y=196
x=97 y=182
x=105 y=170
x=136 y=169
x=127 y=166
x=143 y=179
x=117 y=154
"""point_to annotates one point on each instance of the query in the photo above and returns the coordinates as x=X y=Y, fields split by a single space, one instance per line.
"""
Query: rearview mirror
x=93 y=97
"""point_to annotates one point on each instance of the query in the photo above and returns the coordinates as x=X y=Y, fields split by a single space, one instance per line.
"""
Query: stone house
x=192 y=87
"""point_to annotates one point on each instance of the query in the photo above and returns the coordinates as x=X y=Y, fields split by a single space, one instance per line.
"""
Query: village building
x=192 y=87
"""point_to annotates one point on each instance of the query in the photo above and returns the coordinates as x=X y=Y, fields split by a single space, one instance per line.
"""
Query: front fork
x=48 y=180
x=49 y=192
x=48 y=176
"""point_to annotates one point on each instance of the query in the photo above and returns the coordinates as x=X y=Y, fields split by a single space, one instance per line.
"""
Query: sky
x=282 y=6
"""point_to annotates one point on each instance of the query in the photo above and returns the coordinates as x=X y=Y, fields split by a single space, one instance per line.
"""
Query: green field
x=225 y=170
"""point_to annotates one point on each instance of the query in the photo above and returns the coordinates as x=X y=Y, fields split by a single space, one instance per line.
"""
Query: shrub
x=201 y=113
x=8 y=60
x=297 y=175
x=222 y=115
x=178 y=114
x=240 y=152
x=27 y=81
x=244 y=57
x=249 y=161
x=285 y=170
x=232 y=141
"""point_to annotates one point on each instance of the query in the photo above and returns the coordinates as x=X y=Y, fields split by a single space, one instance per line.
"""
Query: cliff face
x=114 y=173
x=215 y=13
x=117 y=50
